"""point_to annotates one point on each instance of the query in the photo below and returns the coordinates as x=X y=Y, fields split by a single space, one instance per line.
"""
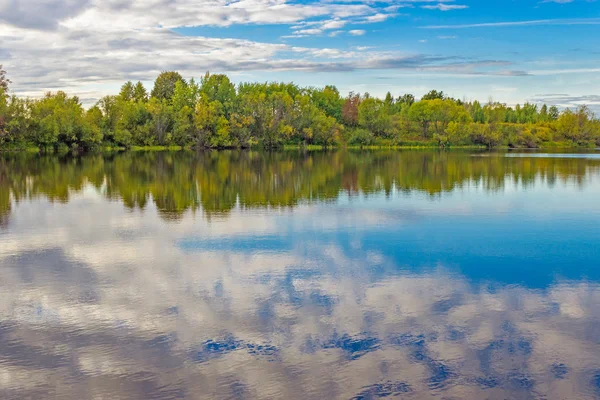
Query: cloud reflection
x=102 y=300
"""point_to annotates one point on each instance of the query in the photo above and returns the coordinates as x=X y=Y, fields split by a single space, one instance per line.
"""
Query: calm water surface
x=245 y=275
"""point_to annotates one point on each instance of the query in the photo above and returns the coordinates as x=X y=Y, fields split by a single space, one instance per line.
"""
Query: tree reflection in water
x=299 y=275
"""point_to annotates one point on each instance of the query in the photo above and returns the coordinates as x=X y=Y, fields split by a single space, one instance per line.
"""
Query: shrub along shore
x=215 y=113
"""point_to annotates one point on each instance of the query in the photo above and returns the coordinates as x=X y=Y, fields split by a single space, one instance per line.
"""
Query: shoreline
x=293 y=147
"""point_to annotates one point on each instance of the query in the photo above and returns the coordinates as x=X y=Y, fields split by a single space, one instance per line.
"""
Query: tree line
x=215 y=113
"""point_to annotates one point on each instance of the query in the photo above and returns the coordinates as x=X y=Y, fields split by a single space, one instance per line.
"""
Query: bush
x=361 y=137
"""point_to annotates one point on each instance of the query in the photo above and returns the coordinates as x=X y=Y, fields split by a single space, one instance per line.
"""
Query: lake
x=292 y=275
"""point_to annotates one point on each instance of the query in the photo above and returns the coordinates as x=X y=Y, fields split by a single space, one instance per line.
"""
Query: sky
x=509 y=51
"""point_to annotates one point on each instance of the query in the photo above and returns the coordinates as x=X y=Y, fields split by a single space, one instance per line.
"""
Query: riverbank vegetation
x=215 y=113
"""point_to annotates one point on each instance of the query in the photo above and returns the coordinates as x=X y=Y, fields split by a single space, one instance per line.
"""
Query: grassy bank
x=429 y=145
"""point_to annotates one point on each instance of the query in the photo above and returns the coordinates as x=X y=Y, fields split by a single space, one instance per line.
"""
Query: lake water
x=289 y=275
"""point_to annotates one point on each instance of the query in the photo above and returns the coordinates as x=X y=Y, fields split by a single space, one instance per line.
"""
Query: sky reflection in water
x=287 y=275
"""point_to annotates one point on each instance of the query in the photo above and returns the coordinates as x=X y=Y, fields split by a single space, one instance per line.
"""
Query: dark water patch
x=508 y=327
x=408 y=339
x=16 y=353
x=238 y=390
x=326 y=302
x=52 y=268
x=215 y=348
x=266 y=313
x=519 y=381
x=454 y=334
x=440 y=374
x=522 y=346
x=381 y=390
x=444 y=306
x=353 y=347
x=268 y=351
x=596 y=382
x=173 y=310
x=212 y=349
x=161 y=342
x=487 y=382
x=559 y=371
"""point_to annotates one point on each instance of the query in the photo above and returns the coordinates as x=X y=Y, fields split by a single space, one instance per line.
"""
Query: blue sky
x=506 y=50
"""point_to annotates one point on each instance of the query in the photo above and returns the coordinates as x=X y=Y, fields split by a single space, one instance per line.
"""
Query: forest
x=216 y=113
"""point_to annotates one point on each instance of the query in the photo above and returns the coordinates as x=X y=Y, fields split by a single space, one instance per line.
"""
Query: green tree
x=161 y=119
x=477 y=112
x=219 y=88
x=543 y=115
x=578 y=126
x=329 y=101
x=140 y=94
x=164 y=85
x=127 y=92
x=373 y=116
x=406 y=99
x=311 y=125
x=211 y=124
x=442 y=112
x=494 y=113
x=58 y=118
x=421 y=113
x=4 y=81
x=553 y=113
x=433 y=95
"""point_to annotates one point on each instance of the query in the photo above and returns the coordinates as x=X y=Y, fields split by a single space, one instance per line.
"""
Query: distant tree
x=161 y=114
x=219 y=88
x=140 y=93
x=543 y=115
x=373 y=116
x=407 y=99
x=389 y=100
x=494 y=113
x=577 y=125
x=421 y=113
x=529 y=114
x=4 y=81
x=434 y=94
x=350 y=109
x=127 y=92
x=59 y=119
x=443 y=112
x=477 y=113
x=553 y=113
x=164 y=85
x=329 y=100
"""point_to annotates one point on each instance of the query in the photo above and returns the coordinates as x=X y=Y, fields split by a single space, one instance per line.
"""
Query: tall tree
x=164 y=85
x=4 y=81
x=350 y=109
x=140 y=93
x=219 y=88
x=407 y=99
x=127 y=91
x=434 y=94
x=553 y=113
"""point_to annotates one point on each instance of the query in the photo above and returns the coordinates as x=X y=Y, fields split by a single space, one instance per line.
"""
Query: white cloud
x=151 y=305
x=90 y=48
x=575 y=21
x=357 y=32
x=445 y=7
